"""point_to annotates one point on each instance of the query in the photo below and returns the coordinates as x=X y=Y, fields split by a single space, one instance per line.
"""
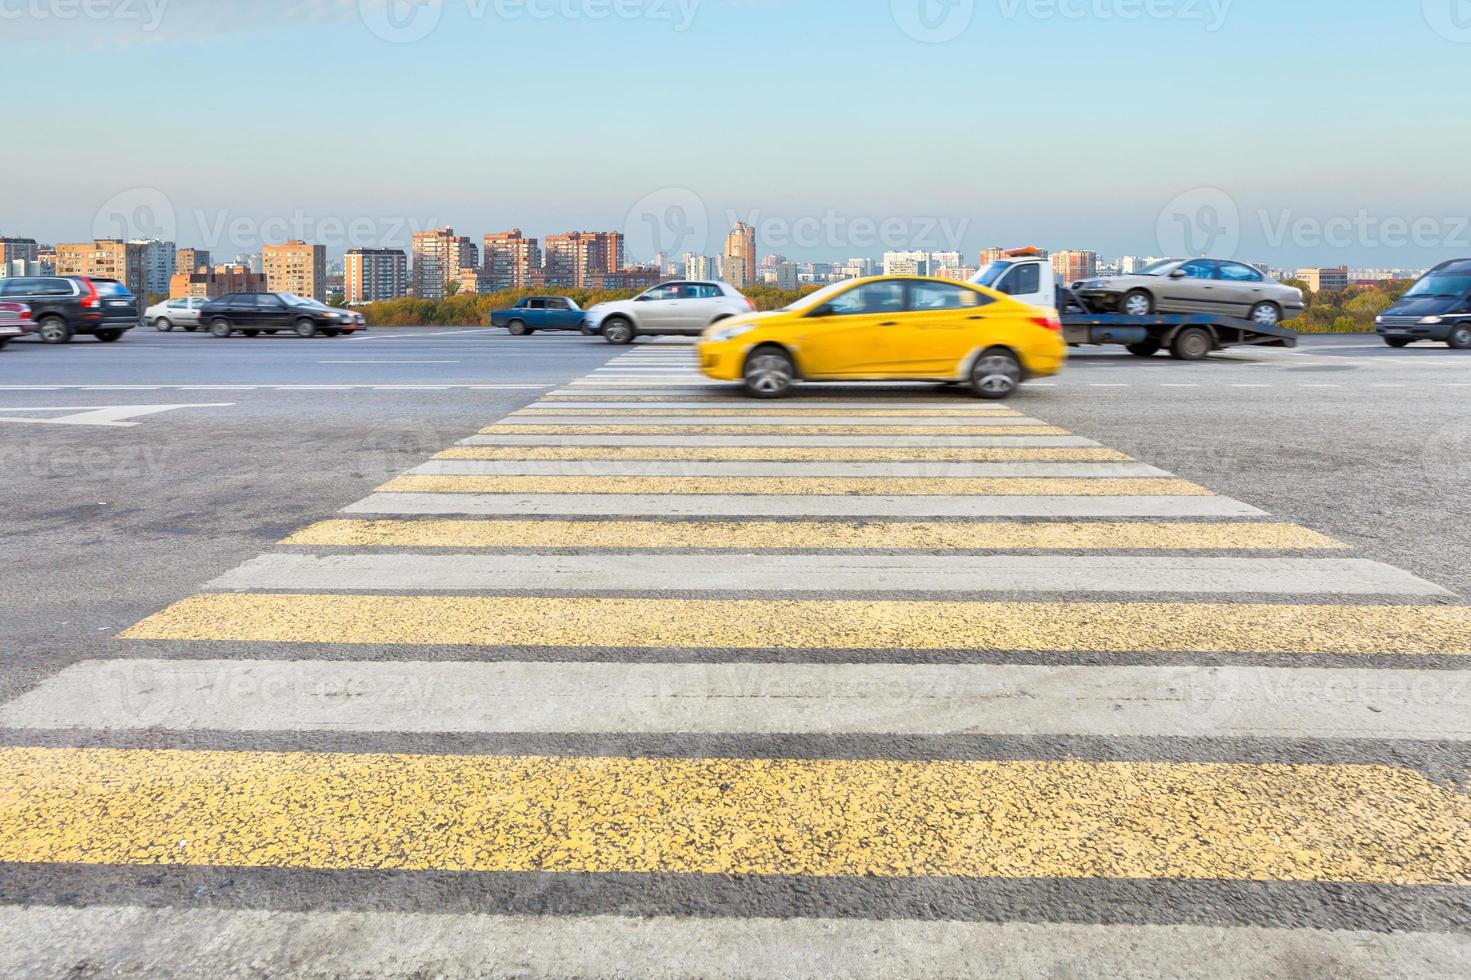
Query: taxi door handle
x=889 y=323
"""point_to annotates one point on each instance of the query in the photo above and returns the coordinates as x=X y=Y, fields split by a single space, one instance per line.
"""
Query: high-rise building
x=1325 y=280
x=740 y=246
x=206 y=283
x=575 y=258
x=24 y=251
x=158 y=264
x=786 y=276
x=700 y=267
x=906 y=263
x=509 y=259
x=1070 y=266
x=439 y=256
x=191 y=260
x=959 y=273
x=944 y=260
x=296 y=267
x=370 y=275
x=105 y=258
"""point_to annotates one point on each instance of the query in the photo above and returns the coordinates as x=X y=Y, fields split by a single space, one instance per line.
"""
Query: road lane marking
x=676 y=423
x=107 y=416
x=814 y=535
x=738 y=624
x=816 y=818
x=787 y=454
x=765 y=699
x=775 y=430
x=919 y=469
x=700 y=412
x=516 y=437
x=890 y=486
x=835 y=574
x=685 y=505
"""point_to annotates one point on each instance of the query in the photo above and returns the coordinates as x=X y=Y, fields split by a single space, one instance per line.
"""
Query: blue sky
x=1288 y=132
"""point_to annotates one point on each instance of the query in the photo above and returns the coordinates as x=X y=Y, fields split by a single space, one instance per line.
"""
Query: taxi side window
x=874 y=297
x=941 y=296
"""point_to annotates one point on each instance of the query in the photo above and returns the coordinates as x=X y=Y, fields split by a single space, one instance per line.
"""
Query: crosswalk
x=649 y=680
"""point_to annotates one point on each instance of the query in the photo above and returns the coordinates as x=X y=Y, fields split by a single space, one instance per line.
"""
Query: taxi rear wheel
x=769 y=373
x=996 y=374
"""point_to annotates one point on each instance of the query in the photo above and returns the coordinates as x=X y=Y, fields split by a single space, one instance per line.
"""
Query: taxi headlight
x=720 y=335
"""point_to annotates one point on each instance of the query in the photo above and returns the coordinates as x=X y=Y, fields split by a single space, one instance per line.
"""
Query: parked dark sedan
x=539 y=313
x=64 y=306
x=256 y=313
x=15 y=321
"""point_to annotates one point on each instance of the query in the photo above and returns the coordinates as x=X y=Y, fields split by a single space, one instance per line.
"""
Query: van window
x=1442 y=284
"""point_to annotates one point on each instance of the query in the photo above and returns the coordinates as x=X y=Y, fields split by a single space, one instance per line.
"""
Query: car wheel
x=55 y=330
x=1147 y=349
x=618 y=331
x=108 y=336
x=996 y=374
x=221 y=327
x=769 y=373
x=1137 y=303
x=517 y=328
x=1397 y=341
x=1266 y=314
x=163 y=324
x=1460 y=338
x=330 y=331
x=3 y=342
x=1192 y=344
x=305 y=328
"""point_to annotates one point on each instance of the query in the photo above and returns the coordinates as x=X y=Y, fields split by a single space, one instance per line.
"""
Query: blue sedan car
x=539 y=313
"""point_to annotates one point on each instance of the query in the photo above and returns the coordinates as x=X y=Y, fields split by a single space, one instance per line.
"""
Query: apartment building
x=373 y=274
x=107 y=258
x=191 y=260
x=509 y=258
x=1070 y=266
x=438 y=256
x=1325 y=280
x=575 y=258
x=296 y=267
x=740 y=254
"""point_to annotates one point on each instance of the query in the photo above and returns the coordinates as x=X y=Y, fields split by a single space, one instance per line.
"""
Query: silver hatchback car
x=1216 y=286
x=669 y=308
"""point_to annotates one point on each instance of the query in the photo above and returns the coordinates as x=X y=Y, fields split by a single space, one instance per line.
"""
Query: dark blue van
x=1437 y=307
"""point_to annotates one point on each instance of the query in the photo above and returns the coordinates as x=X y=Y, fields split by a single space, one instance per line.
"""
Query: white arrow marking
x=109 y=415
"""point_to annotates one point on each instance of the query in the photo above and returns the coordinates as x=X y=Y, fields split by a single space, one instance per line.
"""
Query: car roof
x=1454 y=265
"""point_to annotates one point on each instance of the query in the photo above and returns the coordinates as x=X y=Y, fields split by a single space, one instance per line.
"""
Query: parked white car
x=680 y=307
x=171 y=313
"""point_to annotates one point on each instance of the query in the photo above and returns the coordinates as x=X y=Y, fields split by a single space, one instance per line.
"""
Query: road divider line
x=816 y=818
x=918 y=469
x=724 y=486
x=827 y=574
x=750 y=624
x=784 y=441
x=771 y=454
x=816 y=506
x=1011 y=428
x=796 y=423
x=795 y=412
x=814 y=535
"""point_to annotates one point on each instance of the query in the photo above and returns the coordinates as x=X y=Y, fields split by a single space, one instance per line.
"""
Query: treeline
x=1350 y=311
x=475 y=309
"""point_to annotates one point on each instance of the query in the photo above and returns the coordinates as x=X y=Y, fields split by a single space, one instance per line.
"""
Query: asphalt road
x=1298 y=810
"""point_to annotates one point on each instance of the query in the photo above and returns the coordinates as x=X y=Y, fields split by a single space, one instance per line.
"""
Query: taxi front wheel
x=769 y=373
x=996 y=374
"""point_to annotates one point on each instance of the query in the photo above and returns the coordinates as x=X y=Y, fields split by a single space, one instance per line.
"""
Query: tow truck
x=1026 y=274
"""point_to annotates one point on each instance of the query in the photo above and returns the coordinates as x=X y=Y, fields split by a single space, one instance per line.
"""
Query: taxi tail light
x=1050 y=322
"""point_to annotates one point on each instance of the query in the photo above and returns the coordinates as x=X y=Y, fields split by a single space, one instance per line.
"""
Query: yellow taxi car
x=888 y=328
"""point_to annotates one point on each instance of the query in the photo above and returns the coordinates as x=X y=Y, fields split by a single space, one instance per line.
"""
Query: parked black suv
x=63 y=306
x=1438 y=307
x=256 y=313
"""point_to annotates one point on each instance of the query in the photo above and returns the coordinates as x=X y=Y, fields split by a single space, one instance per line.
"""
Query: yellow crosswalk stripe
x=772 y=454
x=1352 y=824
x=798 y=486
x=738 y=624
x=766 y=535
x=773 y=430
x=917 y=413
